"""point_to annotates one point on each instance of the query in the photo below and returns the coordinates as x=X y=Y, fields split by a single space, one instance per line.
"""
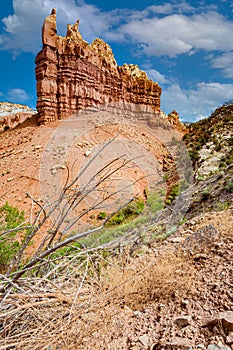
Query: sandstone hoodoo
x=73 y=75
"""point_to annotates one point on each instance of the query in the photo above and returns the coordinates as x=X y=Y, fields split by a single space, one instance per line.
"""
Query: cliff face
x=73 y=75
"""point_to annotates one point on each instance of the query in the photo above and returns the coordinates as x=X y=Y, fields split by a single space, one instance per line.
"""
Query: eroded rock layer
x=12 y=114
x=73 y=75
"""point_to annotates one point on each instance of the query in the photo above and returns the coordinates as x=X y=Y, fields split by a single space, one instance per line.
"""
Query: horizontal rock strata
x=73 y=75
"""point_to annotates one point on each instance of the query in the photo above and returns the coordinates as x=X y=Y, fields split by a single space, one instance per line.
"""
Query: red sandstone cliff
x=73 y=75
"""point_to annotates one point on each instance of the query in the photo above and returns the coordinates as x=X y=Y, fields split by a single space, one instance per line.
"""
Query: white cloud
x=23 y=28
x=163 y=9
x=224 y=62
x=166 y=8
x=17 y=95
x=195 y=103
x=159 y=30
x=154 y=75
x=178 y=34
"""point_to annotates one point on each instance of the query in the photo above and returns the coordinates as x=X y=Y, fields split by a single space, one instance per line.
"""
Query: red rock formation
x=72 y=75
x=173 y=119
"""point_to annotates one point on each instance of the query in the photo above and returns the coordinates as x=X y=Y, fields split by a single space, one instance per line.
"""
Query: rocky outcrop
x=73 y=75
x=173 y=119
x=12 y=114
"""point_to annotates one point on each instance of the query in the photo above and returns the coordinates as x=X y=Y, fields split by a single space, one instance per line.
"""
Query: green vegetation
x=218 y=147
x=229 y=157
x=102 y=215
x=206 y=193
x=207 y=131
x=129 y=212
x=175 y=190
x=230 y=141
x=223 y=206
x=109 y=234
x=229 y=186
x=222 y=165
x=155 y=200
x=10 y=218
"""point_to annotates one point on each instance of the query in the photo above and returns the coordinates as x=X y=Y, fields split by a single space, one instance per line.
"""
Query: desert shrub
x=223 y=206
x=229 y=186
x=136 y=207
x=130 y=211
x=222 y=165
x=194 y=155
x=230 y=141
x=155 y=200
x=218 y=147
x=229 y=157
x=206 y=193
x=202 y=139
x=175 y=190
x=102 y=215
x=186 y=137
x=89 y=302
x=10 y=218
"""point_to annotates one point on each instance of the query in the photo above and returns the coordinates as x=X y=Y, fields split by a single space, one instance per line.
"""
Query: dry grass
x=65 y=313
x=150 y=278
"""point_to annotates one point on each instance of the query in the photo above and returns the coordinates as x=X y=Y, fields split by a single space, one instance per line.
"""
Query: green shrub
x=117 y=219
x=206 y=194
x=194 y=155
x=10 y=218
x=218 y=147
x=130 y=211
x=134 y=208
x=102 y=215
x=186 y=137
x=229 y=157
x=229 y=186
x=230 y=141
x=222 y=165
x=155 y=200
x=223 y=206
x=175 y=190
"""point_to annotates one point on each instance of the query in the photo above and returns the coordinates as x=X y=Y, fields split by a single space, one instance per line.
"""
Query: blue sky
x=187 y=46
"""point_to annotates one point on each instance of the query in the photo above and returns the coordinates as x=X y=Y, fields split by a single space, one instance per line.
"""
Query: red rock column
x=46 y=76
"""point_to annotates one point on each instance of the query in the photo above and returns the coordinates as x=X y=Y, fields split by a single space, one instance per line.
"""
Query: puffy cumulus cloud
x=18 y=95
x=23 y=27
x=196 y=103
x=154 y=75
x=171 y=28
x=224 y=62
x=176 y=34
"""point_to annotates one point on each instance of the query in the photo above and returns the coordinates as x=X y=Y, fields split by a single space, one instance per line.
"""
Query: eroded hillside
x=149 y=283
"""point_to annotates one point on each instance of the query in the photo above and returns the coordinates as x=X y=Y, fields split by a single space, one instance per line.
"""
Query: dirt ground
x=34 y=159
